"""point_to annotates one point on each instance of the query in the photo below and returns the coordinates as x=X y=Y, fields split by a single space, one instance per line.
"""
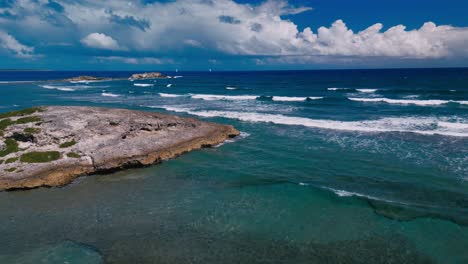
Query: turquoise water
x=365 y=166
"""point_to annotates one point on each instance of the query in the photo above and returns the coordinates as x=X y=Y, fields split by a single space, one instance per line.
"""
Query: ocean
x=332 y=166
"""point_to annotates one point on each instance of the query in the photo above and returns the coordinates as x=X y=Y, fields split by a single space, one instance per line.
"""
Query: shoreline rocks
x=51 y=146
x=146 y=75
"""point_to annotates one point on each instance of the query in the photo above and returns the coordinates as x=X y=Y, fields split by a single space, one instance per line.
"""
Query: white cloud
x=9 y=43
x=228 y=27
x=134 y=60
x=100 y=41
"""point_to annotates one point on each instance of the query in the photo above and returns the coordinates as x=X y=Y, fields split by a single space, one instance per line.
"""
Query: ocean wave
x=231 y=88
x=366 y=90
x=143 y=84
x=242 y=135
x=403 y=101
x=169 y=85
x=293 y=98
x=171 y=95
x=61 y=88
x=417 y=125
x=177 y=77
x=212 y=97
x=110 y=95
x=338 y=89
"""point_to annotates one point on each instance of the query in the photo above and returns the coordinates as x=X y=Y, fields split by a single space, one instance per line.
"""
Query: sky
x=232 y=35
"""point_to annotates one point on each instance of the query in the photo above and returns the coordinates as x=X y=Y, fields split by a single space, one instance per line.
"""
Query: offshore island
x=52 y=145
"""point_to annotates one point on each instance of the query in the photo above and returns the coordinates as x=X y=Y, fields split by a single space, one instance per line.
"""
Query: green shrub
x=24 y=112
x=67 y=144
x=73 y=155
x=40 y=157
x=5 y=123
x=11 y=147
x=10 y=169
x=32 y=130
x=28 y=119
x=11 y=160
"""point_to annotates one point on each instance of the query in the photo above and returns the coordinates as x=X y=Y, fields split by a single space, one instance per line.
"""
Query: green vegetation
x=1 y=161
x=10 y=169
x=113 y=123
x=67 y=144
x=28 y=119
x=5 y=123
x=73 y=155
x=11 y=147
x=11 y=160
x=40 y=157
x=32 y=130
x=23 y=112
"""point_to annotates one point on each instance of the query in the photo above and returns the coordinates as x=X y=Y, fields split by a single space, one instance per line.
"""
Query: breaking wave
x=404 y=101
x=366 y=90
x=110 y=95
x=418 y=125
x=143 y=84
x=61 y=88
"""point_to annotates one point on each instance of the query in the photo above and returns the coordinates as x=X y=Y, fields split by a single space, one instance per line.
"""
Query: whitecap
x=61 y=88
x=337 y=89
x=231 y=88
x=366 y=90
x=169 y=85
x=171 y=95
x=177 y=77
x=143 y=84
x=293 y=98
x=417 y=125
x=212 y=97
x=402 y=101
x=110 y=95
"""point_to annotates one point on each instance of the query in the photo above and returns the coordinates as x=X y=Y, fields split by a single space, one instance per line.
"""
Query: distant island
x=51 y=146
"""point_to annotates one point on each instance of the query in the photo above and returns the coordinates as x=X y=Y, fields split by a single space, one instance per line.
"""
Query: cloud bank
x=220 y=27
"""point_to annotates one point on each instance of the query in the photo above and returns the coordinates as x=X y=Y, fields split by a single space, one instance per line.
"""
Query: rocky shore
x=51 y=146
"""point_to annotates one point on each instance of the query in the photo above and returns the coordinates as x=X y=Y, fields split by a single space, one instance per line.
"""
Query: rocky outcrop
x=85 y=79
x=51 y=146
x=147 y=75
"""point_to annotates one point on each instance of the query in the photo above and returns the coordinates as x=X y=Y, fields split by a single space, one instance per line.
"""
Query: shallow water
x=324 y=179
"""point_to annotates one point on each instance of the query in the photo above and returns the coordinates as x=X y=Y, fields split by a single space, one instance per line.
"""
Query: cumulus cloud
x=227 y=27
x=9 y=43
x=100 y=41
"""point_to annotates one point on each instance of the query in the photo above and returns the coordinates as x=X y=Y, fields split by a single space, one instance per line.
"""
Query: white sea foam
x=337 y=89
x=169 y=85
x=171 y=95
x=293 y=99
x=242 y=135
x=418 y=125
x=212 y=97
x=366 y=90
x=110 y=95
x=61 y=88
x=231 y=88
x=403 y=101
x=143 y=84
x=177 y=77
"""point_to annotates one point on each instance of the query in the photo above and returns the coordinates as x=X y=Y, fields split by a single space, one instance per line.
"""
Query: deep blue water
x=344 y=166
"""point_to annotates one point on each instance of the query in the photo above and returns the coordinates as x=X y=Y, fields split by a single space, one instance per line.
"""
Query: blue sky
x=232 y=35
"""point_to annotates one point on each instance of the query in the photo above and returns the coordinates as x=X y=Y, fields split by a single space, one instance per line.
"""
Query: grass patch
x=73 y=155
x=28 y=119
x=5 y=123
x=11 y=147
x=24 y=112
x=10 y=169
x=40 y=157
x=32 y=130
x=11 y=160
x=67 y=144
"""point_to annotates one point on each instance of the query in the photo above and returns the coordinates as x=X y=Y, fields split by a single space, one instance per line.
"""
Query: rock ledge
x=51 y=146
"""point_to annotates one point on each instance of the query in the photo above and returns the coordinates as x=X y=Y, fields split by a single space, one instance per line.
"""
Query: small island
x=51 y=146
